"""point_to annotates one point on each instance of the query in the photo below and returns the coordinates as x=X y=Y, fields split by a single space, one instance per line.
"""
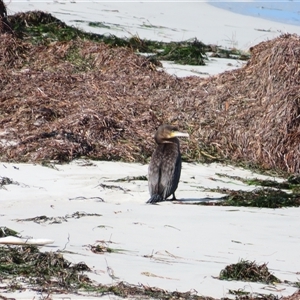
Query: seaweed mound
x=255 y=110
x=83 y=98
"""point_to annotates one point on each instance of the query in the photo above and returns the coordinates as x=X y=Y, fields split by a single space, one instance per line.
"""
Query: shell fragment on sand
x=12 y=240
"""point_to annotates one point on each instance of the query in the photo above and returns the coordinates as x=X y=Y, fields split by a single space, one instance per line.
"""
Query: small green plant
x=245 y=270
x=102 y=247
x=5 y=231
x=189 y=52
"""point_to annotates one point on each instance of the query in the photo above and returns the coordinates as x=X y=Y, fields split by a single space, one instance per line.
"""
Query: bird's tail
x=155 y=198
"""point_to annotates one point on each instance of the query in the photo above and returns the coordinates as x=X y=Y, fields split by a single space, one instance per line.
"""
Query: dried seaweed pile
x=70 y=99
x=248 y=271
x=82 y=98
x=255 y=110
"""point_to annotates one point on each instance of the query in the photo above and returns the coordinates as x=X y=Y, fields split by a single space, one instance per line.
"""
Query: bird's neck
x=168 y=141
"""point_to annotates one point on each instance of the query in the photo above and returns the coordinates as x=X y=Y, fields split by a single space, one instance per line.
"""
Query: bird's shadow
x=194 y=200
x=190 y=200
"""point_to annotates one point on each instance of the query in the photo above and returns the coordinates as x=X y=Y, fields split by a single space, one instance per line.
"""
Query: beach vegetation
x=246 y=270
x=101 y=247
x=5 y=231
x=67 y=94
x=50 y=272
x=267 y=194
x=260 y=197
x=41 y=28
x=58 y=220
x=5 y=181
x=81 y=80
x=22 y=267
x=291 y=183
x=242 y=295
x=131 y=178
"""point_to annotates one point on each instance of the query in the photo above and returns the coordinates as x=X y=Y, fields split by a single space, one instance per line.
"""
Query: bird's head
x=168 y=134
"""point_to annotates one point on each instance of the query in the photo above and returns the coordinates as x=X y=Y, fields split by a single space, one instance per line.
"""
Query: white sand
x=170 y=246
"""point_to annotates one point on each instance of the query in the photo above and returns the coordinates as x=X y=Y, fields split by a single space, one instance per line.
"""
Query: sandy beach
x=171 y=246
x=174 y=246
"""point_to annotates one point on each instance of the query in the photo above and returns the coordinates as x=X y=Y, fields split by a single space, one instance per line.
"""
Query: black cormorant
x=165 y=165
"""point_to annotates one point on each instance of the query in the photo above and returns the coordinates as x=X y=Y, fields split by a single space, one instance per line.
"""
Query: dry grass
x=82 y=98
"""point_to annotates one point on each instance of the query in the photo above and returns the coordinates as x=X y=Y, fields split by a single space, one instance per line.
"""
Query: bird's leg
x=174 y=197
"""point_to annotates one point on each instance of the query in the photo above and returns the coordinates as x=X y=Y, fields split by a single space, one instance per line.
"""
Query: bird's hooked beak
x=178 y=134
